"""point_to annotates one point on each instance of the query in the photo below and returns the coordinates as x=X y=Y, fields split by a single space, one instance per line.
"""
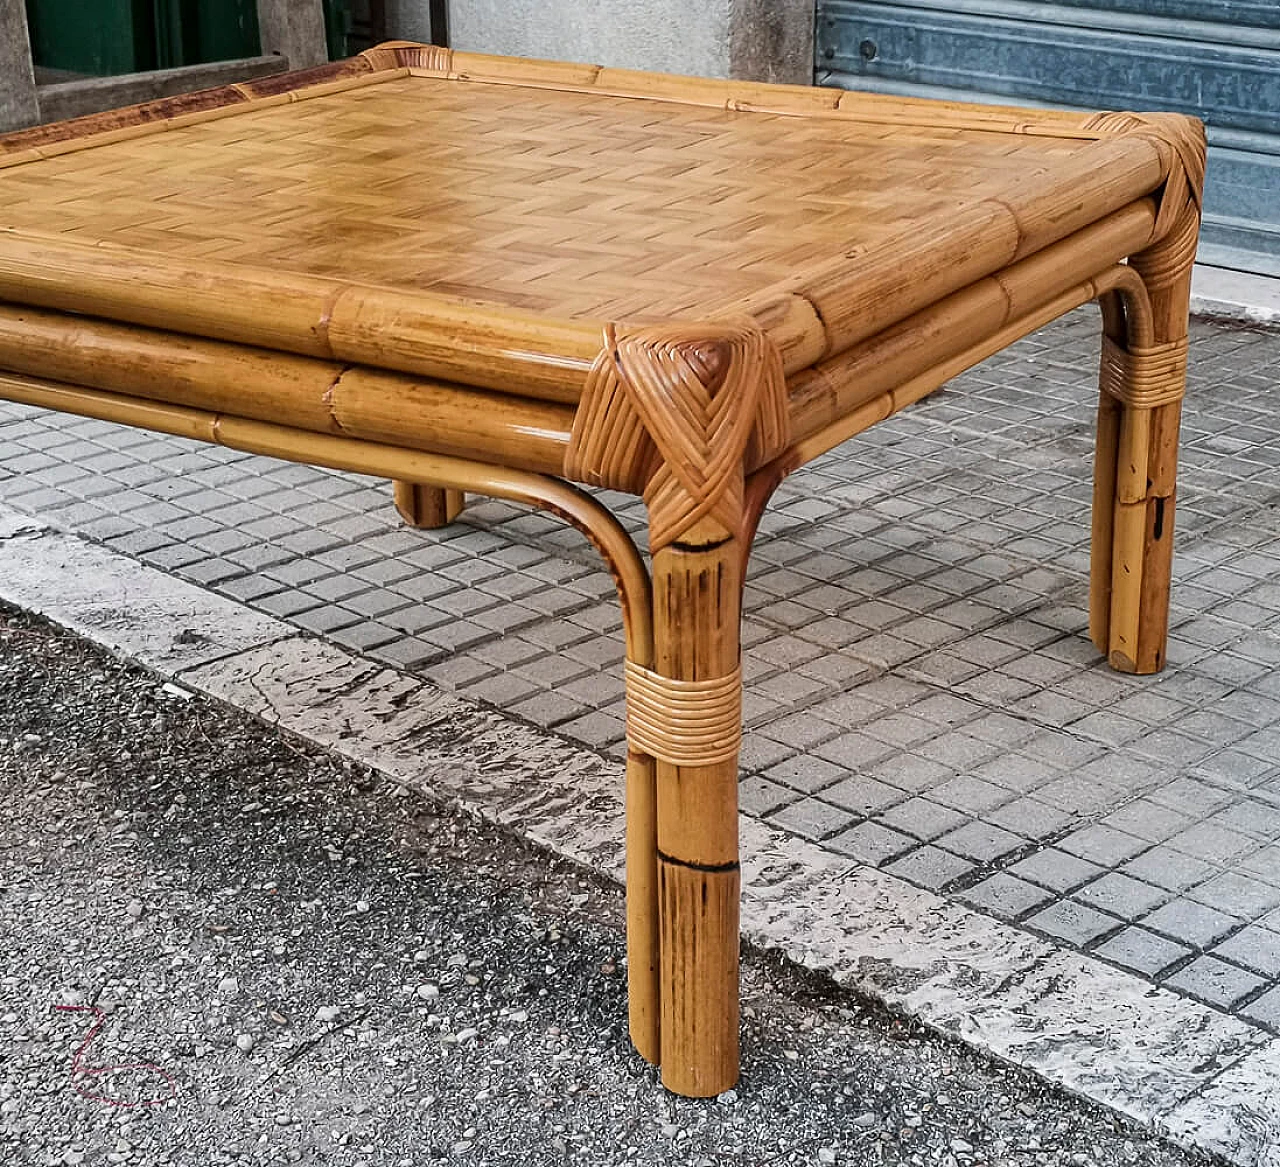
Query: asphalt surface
x=279 y=958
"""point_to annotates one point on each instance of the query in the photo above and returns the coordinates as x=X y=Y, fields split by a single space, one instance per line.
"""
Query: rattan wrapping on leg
x=685 y=723
x=1144 y=378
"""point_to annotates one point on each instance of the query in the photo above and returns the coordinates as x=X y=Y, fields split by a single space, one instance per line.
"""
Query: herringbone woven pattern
x=549 y=200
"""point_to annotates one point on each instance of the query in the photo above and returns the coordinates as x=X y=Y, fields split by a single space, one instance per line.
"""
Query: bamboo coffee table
x=468 y=273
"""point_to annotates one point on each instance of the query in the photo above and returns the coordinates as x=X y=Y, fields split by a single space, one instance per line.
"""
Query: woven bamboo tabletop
x=576 y=194
x=557 y=202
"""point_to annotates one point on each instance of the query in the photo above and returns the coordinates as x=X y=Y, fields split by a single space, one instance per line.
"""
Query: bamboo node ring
x=674 y=412
x=684 y=723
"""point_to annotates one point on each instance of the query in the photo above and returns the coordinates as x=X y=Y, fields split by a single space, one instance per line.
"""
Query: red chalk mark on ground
x=80 y=1072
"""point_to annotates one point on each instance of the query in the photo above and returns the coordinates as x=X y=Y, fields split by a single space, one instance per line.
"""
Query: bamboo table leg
x=428 y=507
x=671 y=412
x=697 y=587
x=1139 y=412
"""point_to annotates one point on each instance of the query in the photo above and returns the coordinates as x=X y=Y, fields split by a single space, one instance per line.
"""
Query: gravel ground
x=294 y=961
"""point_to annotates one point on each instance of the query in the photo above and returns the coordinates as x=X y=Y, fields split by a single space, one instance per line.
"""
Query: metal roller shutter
x=1218 y=59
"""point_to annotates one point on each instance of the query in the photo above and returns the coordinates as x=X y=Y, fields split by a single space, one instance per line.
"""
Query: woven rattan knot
x=685 y=723
x=673 y=412
x=1181 y=143
x=1144 y=378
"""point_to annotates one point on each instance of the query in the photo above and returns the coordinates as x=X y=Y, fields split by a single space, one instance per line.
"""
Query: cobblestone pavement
x=922 y=694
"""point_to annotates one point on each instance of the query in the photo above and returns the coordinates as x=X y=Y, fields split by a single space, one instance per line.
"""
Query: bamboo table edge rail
x=701 y=416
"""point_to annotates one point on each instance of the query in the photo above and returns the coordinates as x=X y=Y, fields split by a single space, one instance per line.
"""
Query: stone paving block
x=1076 y=923
x=211 y=572
x=930 y=867
x=505 y=619
x=462 y=602
x=1237 y=894
x=1168 y=868
x=1144 y=952
x=455 y=635
x=547 y=708
x=414 y=618
x=248 y=588
x=599 y=728
x=1215 y=982
x=1030 y=818
x=759 y=753
x=910 y=773
x=957 y=750
x=1265 y=1010
x=1190 y=923
x=375 y=602
x=333 y=589
x=853 y=751
x=1014 y=772
x=1255 y=948
x=1207 y=840
x=501 y=689
x=365 y=635
x=1059 y=750
x=322 y=619
x=787 y=689
x=1006 y=896
x=812 y=819
x=805 y=773
x=901 y=729
x=1258 y=820
x=298 y=573
x=922 y=818
x=1147 y=819
x=871 y=843
x=973 y=796
x=1056 y=870
x=173 y=556
x=1121 y=895
x=1102 y=845
x=982 y=842
x=862 y=795
x=286 y=603
x=1235 y=766
x=1193 y=797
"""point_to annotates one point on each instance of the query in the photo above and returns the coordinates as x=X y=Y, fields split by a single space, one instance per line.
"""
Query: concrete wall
x=18 y=107
x=408 y=20
x=763 y=39
x=295 y=30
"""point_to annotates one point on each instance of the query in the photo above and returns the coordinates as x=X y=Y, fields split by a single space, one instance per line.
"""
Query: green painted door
x=106 y=37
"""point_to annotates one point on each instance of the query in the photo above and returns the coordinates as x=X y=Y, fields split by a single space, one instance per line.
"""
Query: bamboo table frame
x=701 y=403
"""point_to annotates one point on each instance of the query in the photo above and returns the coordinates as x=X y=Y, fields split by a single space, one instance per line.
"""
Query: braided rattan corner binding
x=669 y=412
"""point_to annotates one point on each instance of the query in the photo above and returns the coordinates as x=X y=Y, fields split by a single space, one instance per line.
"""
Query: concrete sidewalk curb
x=1208 y=1081
x=1220 y=293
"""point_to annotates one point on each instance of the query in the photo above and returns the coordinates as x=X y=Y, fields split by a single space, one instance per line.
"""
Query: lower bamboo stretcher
x=519 y=387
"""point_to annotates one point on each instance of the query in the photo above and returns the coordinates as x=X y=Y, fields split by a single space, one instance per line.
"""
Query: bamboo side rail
x=814 y=442
x=829 y=390
x=485 y=345
x=315 y=395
